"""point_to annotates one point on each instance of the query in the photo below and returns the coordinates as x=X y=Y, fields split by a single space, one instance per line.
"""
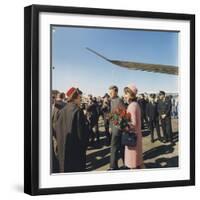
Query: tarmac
x=155 y=155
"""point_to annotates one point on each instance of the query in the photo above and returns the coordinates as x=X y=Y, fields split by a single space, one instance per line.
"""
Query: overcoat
x=71 y=134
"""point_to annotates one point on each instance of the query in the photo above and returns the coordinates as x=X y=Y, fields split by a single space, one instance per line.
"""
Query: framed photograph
x=109 y=99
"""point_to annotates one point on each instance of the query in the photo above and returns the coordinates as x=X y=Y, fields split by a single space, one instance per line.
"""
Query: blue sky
x=76 y=66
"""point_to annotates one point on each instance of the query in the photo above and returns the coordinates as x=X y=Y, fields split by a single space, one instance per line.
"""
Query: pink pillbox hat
x=133 y=88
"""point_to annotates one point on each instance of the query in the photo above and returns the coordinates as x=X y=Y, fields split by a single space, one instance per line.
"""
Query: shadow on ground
x=145 y=133
x=162 y=150
x=157 y=151
x=100 y=154
x=163 y=163
x=98 y=159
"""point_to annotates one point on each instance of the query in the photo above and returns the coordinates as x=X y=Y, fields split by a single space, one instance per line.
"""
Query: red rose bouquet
x=121 y=119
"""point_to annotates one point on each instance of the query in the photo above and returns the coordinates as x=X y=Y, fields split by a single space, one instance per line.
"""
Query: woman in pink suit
x=133 y=155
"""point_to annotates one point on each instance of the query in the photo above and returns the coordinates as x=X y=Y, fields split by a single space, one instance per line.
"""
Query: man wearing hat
x=71 y=134
x=164 y=110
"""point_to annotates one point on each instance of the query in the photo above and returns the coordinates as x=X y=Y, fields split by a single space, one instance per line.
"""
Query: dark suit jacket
x=164 y=107
x=152 y=110
x=143 y=104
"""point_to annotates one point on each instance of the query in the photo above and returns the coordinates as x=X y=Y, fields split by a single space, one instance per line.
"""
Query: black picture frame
x=31 y=98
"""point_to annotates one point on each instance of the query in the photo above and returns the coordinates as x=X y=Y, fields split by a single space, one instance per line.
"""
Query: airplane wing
x=158 y=68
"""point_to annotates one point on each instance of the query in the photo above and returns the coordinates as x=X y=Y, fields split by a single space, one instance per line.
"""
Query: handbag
x=129 y=139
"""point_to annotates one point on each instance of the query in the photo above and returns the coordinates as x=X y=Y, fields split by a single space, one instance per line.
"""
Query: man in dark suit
x=106 y=111
x=164 y=110
x=92 y=116
x=143 y=102
x=116 y=134
x=153 y=117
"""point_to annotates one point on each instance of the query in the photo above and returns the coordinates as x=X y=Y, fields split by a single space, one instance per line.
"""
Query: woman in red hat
x=71 y=132
x=133 y=155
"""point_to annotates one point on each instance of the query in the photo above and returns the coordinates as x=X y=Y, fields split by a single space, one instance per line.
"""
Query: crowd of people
x=75 y=125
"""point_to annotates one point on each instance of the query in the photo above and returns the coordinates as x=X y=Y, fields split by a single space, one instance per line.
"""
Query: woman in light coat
x=133 y=155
